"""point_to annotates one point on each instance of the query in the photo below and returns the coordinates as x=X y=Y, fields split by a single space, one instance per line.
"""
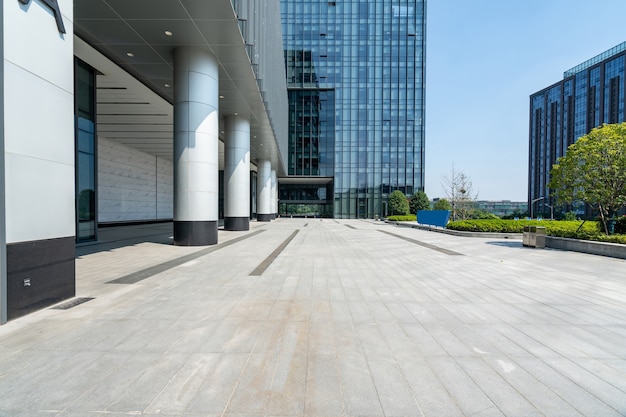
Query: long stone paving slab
x=324 y=318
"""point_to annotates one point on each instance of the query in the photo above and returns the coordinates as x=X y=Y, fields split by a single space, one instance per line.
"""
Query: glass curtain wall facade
x=589 y=95
x=355 y=75
x=85 y=128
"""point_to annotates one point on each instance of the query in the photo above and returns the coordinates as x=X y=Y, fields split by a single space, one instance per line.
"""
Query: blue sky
x=484 y=59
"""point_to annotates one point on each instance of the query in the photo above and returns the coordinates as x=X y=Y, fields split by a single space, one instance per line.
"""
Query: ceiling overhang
x=139 y=37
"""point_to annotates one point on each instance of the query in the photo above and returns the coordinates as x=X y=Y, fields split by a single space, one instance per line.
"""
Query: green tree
x=570 y=216
x=398 y=204
x=593 y=170
x=479 y=214
x=442 y=204
x=419 y=201
x=517 y=214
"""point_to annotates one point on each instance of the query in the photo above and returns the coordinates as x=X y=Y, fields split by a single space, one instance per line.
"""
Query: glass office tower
x=589 y=95
x=355 y=75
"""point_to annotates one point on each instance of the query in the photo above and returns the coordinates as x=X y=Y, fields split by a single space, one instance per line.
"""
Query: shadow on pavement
x=110 y=238
x=514 y=244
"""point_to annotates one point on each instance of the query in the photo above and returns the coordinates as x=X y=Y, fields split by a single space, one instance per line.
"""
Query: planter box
x=613 y=250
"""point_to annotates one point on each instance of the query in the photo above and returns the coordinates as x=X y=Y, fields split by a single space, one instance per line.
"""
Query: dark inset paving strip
x=157 y=269
x=71 y=303
x=426 y=245
x=351 y=227
x=258 y=271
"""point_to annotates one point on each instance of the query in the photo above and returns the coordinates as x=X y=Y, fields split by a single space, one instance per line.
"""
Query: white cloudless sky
x=484 y=58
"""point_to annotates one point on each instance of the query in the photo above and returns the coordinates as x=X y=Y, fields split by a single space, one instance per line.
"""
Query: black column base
x=195 y=233
x=236 y=223
x=39 y=273
x=263 y=217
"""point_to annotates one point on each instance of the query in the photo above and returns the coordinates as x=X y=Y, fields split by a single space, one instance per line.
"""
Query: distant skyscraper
x=589 y=95
x=355 y=75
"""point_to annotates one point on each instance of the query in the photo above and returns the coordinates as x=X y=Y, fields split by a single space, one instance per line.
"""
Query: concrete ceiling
x=132 y=35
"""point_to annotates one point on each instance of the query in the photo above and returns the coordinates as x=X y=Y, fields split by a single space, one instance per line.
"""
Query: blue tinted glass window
x=367 y=60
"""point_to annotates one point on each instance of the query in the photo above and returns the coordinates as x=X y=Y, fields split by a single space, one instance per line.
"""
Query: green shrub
x=553 y=227
x=419 y=201
x=573 y=229
x=610 y=239
x=398 y=203
x=479 y=214
x=499 y=226
x=577 y=229
x=570 y=215
x=409 y=218
x=442 y=204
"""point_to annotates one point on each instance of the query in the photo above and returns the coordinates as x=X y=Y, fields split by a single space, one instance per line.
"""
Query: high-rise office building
x=355 y=77
x=589 y=95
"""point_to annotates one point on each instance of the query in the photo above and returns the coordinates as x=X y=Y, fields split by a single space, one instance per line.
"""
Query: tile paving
x=351 y=318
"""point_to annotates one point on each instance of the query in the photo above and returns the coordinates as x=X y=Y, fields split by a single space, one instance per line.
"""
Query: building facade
x=503 y=208
x=589 y=95
x=132 y=111
x=355 y=75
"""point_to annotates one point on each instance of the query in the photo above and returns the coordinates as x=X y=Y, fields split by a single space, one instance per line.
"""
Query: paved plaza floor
x=324 y=318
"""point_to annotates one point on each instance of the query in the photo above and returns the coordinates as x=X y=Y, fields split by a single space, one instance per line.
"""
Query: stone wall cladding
x=132 y=185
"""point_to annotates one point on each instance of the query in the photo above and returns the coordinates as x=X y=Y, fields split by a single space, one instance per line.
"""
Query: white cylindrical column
x=264 y=191
x=274 y=195
x=236 y=173
x=196 y=152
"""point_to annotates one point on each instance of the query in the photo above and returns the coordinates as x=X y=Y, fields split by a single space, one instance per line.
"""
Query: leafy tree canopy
x=442 y=204
x=419 y=201
x=397 y=203
x=593 y=170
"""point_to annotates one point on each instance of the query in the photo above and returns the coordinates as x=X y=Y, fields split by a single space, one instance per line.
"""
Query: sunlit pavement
x=310 y=317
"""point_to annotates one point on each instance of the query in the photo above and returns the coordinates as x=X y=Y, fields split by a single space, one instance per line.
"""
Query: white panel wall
x=165 y=189
x=132 y=185
x=39 y=121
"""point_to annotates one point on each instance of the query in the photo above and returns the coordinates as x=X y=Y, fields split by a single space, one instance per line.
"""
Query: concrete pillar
x=236 y=173
x=274 y=194
x=196 y=138
x=264 y=191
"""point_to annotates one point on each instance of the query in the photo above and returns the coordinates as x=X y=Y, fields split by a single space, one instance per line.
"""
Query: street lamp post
x=532 y=202
x=551 y=210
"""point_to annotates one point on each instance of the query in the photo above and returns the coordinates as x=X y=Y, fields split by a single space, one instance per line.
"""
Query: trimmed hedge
x=610 y=239
x=590 y=230
x=409 y=218
x=553 y=227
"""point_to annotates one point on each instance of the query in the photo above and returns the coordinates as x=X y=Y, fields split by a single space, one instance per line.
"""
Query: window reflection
x=85 y=137
x=355 y=80
x=591 y=94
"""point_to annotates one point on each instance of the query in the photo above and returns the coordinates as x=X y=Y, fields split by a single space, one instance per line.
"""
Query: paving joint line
x=258 y=271
x=164 y=266
x=424 y=244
